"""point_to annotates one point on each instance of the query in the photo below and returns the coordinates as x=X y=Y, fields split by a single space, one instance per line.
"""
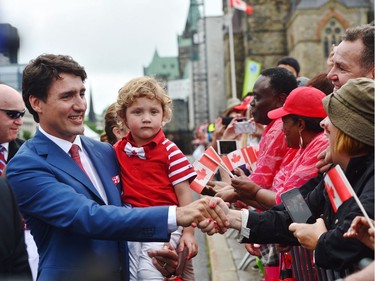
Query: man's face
x=10 y=99
x=63 y=112
x=346 y=63
x=264 y=100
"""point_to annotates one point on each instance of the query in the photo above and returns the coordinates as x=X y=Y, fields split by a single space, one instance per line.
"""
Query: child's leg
x=146 y=270
x=134 y=256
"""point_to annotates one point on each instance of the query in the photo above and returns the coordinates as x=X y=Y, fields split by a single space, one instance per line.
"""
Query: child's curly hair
x=140 y=87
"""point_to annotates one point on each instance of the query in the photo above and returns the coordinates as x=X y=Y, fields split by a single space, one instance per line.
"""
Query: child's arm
x=185 y=197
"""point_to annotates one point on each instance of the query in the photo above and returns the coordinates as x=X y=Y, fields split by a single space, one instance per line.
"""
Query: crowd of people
x=122 y=209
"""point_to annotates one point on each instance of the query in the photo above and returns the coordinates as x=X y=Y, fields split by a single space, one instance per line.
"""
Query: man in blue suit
x=72 y=202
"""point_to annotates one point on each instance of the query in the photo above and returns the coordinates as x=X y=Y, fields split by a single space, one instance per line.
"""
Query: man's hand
x=217 y=185
x=245 y=188
x=361 y=229
x=308 y=234
x=324 y=162
x=253 y=249
x=228 y=194
x=165 y=260
x=205 y=213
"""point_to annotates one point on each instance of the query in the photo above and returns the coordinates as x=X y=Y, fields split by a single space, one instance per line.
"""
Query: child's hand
x=188 y=241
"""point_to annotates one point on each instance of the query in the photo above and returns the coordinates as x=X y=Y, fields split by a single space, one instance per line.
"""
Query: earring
x=300 y=141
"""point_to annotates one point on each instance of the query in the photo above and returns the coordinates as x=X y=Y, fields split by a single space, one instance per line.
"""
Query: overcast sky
x=112 y=39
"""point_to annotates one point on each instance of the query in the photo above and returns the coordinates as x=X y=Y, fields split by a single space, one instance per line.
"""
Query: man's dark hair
x=41 y=72
x=364 y=32
x=290 y=61
x=282 y=81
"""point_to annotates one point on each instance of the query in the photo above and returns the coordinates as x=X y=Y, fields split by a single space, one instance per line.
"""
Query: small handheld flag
x=241 y=5
x=205 y=169
x=339 y=190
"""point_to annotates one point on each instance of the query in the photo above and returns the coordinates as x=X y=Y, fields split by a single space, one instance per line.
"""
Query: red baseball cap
x=302 y=101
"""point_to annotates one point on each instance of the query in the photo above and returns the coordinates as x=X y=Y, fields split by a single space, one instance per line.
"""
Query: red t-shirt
x=301 y=168
x=149 y=182
x=273 y=152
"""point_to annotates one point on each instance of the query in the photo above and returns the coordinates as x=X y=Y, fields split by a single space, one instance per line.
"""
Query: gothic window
x=331 y=35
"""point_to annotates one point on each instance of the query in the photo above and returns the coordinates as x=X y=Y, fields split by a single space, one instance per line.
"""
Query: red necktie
x=75 y=156
x=2 y=159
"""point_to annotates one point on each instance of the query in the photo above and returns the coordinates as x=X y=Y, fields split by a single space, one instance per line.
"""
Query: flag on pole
x=241 y=157
x=241 y=5
x=213 y=154
x=235 y=159
x=337 y=186
x=252 y=156
x=205 y=167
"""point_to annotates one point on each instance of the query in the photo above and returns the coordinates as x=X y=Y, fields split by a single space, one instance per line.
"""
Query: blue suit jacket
x=76 y=233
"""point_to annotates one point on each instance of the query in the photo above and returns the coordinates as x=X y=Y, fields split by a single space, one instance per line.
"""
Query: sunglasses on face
x=14 y=114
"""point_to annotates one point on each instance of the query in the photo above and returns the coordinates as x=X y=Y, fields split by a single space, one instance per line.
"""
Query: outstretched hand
x=205 y=213
x=361 y=229
x=210 y=226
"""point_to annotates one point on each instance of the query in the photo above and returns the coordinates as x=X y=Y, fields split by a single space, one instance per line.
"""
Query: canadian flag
x=252 y=156
x=213 y=154
x=235 y=159
x=241 y=5
x=205 y=167
x=337 y=187
x=243 y=156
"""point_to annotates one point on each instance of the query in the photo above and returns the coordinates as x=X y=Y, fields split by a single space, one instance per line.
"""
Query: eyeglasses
x=14 y=114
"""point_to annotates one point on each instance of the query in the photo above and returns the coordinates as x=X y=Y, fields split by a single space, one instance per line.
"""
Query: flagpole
x=231 y=51
x=355 y=197
x=360 y=206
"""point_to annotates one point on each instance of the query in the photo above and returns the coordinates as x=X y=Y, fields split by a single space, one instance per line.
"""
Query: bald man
x=12 y=108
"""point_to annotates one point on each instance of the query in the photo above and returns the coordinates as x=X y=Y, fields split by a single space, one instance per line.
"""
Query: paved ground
x=220 y=258
x=226 y=257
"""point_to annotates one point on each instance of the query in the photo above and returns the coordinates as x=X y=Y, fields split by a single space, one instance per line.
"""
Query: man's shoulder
x=15 y=144
x=18 y=141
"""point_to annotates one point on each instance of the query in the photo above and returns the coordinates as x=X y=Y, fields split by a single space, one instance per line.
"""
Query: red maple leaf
x=201 y=174
x=236 y=158
x=330 y=191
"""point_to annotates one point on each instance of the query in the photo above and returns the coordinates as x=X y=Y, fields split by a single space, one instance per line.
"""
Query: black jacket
x=333 y=251
x=13 y=255
x=13 y=148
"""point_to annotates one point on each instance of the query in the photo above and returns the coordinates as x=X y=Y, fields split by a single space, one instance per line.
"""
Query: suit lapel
x=61 y=160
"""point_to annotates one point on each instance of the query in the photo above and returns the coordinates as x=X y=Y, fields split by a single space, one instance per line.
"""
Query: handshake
x=210 y=214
